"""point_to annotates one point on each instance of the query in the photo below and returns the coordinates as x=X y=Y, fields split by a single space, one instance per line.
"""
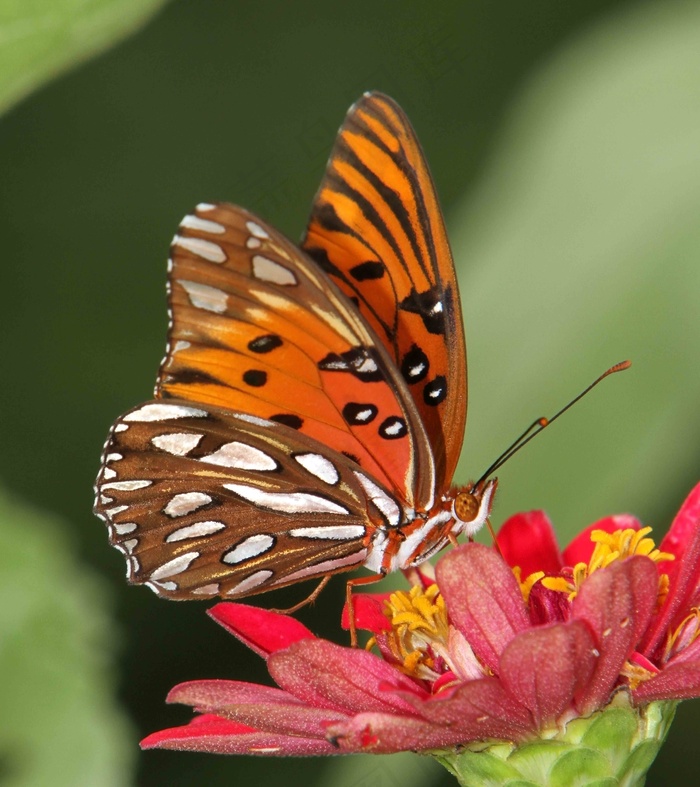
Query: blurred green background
x=564 y=139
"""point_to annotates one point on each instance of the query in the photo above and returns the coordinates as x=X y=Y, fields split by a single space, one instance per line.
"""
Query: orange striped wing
x=376 y=228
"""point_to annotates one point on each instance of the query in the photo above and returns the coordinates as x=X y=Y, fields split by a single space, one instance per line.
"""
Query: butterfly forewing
x=257 y=327
x=377 y=229
x=206 y=502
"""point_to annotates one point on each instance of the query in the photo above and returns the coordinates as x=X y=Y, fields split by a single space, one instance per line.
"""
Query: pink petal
x=544 y=668
x=675 y=682
x=215 y=735
x=527 y=540
x=384 y=733
x=683 y=540
x=684 y=527
x=548 y=606
x=369 y=615
x=263 y=631
x=326 y=675
x=617 y=603
x=476 y=710
x=581 y=548
x=260 y=707
x=208 y=694
x=483 y=599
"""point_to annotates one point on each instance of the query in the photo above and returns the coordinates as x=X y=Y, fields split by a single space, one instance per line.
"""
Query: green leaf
x=580 y=248
x=59 y=723
x=40 y=39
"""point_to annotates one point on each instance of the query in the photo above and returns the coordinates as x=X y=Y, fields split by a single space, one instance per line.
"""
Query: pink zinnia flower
x=519 y=656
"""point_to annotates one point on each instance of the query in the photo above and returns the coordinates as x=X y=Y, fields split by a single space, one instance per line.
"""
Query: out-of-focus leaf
x=40 y=39
x=58 y=725
x=581 y=247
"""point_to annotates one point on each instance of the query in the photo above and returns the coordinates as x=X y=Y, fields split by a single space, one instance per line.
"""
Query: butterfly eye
x=465 y=507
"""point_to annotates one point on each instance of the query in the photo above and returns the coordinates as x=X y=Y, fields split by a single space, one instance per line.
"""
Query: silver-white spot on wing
x=108 y=473
x=207 y=590
x=122 y=528
x=327 y=566
x=205 y=297
x=256 y=229
x=127 y=486
x=287 y=502
x=185 y=503
x=181 y=345
x=253 y=581
x=319 y=466
x=197 y=530
x=116 y=510
x=195 y=223
x=177 y=443
x=105 y=500
x=269 y=270
x=205 y=249
x=336 y=533
x=250 y=547
x=203 y=207
x=175 y=566
x=161 y=412
x=379 y=497
x=121 y=427
x=113 y=457
x=255 y=420
x=240 y=456
x=253 y=243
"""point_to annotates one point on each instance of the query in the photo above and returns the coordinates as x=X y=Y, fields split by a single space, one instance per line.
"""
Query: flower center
x=610 y=547
x=419 y=631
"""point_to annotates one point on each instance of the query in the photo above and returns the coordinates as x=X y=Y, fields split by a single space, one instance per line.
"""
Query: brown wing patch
x=203 y=502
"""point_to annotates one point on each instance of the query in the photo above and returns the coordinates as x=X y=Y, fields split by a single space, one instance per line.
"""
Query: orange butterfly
x=310 y=408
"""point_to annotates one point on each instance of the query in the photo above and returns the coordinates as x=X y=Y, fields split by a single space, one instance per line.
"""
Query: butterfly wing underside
x=256 y=327
x=204 y=502
x=376 y=228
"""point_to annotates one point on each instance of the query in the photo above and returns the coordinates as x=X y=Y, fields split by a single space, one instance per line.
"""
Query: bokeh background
x=564 y=139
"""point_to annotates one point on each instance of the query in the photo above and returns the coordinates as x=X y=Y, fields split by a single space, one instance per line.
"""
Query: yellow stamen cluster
x=419 y=630
x=610 y=547
x=527 y=583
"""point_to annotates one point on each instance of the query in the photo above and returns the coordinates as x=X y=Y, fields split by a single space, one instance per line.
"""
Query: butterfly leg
x=349 y=585
x=309 y=599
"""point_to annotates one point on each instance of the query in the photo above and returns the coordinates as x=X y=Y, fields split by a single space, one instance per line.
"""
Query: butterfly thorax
x=462 y=509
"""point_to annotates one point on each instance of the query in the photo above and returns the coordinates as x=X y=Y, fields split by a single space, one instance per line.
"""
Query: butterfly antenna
x=541 y=423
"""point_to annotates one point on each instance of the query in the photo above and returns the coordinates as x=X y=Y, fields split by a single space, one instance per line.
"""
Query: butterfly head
x=471 y=506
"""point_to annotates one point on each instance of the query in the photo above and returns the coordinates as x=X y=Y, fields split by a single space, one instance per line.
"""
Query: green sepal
x=612 y=748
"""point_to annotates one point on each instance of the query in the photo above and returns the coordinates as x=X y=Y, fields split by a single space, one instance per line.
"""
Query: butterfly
x=309 y=411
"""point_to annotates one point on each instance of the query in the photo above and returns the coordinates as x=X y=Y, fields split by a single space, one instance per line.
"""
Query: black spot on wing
x=288 y=419
x=435 y=391
x=430 y=305
x=393 y=428
x=357 y=414
x=366 y=271
x=415 y=365
x=359 y=361
x=265 y=344
x=256 y=378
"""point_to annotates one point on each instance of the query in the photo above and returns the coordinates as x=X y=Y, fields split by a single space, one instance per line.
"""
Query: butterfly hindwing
x=206 y=502
x=376 y=228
